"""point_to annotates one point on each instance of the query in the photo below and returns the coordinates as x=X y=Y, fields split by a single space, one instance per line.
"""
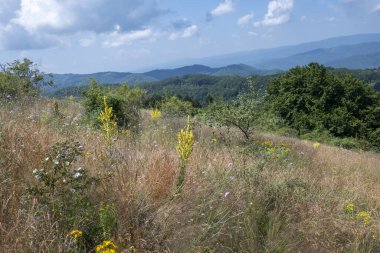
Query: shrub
x=175 y=107
x=124 y=100
x=21 y=78
x=311 y=98
x=62 y=188
x=242 y=112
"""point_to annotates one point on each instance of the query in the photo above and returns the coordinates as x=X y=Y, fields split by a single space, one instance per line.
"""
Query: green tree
x=21 y=78
x=242 y=112
x=312 y=98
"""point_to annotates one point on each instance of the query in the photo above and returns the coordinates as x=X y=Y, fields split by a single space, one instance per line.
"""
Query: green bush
x=242 y=112
x=311 y=99
x=175 y=107
x=63 y=189
x=21 y=78
x=124 y=100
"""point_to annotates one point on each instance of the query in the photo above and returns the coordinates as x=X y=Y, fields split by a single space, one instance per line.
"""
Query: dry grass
x=293 y=204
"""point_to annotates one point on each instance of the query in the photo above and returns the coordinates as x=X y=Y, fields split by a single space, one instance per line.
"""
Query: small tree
x=242 y=112
x=21 y=78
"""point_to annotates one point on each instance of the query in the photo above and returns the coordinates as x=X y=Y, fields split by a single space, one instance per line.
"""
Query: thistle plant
x=108 y=123
x=184 y=149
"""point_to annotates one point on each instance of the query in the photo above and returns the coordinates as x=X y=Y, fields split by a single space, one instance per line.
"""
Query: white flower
x=77 y=174
x=47 y=159
x=230 y=165
x=226 y=194
x=56 y=162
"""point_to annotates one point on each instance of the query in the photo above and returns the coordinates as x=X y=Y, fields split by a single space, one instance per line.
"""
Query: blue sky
x=84 y=36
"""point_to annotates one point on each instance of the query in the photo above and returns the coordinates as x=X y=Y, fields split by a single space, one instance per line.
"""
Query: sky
x=86 y=36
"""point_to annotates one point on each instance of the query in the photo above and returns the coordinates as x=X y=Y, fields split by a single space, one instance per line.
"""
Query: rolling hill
x=75 y=80
x=342 y=56
x=257 y=58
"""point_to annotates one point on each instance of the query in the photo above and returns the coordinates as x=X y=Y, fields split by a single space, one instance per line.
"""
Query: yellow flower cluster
x=76 y=233
x=106 y=247
x=185 y=143
x=109 y=124
x=349 y=208
x=316 y=145
x=364 y=217
x=155 y=114
x=267 y=144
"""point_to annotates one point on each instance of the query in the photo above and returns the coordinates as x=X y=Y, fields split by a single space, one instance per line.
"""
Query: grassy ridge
x=274 y=194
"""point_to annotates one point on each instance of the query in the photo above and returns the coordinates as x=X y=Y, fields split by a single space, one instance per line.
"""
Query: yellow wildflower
x=349 y=208
x=106 y=247
x=364 y=217
x=316 y=145
x=267 y=144
x=185 y=143
x=155 y=114
x=76 y=233
x=109 y=124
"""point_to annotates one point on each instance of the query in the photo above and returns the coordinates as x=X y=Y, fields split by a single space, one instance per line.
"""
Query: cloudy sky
x=83 y=36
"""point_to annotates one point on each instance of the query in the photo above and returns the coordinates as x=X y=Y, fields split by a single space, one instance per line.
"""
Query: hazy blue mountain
x=340 y=56
x=357 y=61
x=161 y=74
x=75 y=80
x=254 y=57
x=355 y=51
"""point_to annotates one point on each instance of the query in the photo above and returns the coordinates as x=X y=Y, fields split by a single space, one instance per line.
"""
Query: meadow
x=267 y=194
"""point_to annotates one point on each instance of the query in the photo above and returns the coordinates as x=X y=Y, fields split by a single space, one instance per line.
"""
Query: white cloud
x=278 y=13
x=46 y=19
x=253 y=33
x=245 y=19
x=87 y=41
x=186 y=33
x=377 y=8
x=223 y=8
x=332 y=19
x=38 y=14
x=117 y=39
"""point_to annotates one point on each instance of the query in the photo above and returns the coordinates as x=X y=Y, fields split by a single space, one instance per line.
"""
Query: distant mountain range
x=360 y=51
x=74 y=80
x=326 y=51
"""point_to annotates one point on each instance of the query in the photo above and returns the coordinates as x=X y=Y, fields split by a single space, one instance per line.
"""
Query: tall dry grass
x=236 y=197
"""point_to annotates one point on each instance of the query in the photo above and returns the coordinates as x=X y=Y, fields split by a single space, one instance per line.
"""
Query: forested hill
x=71 y=80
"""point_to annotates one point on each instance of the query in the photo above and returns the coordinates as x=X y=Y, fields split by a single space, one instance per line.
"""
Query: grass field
x=272 y=194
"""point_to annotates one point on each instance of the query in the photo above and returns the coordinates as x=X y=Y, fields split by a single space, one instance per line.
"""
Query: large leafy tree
x=312 y=98
x=21 y=78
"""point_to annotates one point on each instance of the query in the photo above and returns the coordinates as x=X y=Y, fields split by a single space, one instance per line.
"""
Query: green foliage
x=242 y=112
x=311 y=98
x=107 y=220
x=62 y=189
x=200 y=88
x=124 y=100
x=175 y=107
x=21 y=78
